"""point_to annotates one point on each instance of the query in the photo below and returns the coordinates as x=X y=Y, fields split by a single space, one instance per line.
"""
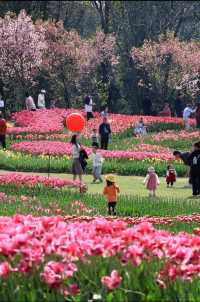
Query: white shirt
x=88 y=108
x=104 y=114
x=187 y=112
x=30 y=103
x=41 y=100
x=75 y=151
x=97 y=159
x=1 y=104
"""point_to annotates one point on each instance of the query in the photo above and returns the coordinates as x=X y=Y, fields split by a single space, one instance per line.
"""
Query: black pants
x=3 y=141
x=198 y=122
x=111 y=208
x=195 y=185
x=104 y=142
x=171 y=182
x=89 y=115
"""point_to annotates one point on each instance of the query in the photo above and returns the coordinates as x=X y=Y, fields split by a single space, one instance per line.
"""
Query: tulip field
x=58 y=244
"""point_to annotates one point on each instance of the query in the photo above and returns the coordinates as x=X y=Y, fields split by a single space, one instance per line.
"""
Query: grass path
x=131 y=185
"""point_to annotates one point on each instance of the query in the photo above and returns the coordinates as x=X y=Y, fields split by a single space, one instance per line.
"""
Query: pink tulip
x=5 y=269
x=113 y=281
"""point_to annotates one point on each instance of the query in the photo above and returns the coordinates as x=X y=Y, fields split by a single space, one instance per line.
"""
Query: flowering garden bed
x=31 y=181
x=59 y=259
x=60 y=149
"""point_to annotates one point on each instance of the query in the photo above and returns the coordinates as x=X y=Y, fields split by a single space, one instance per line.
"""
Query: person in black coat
x=147 y=106
x=184 y=156
x=179 y=105
x=194 y=161
x=104 y=133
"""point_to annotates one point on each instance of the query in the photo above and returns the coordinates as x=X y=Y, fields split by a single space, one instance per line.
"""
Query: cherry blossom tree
x=68 y=58
x=169 y=64
x=21 y=51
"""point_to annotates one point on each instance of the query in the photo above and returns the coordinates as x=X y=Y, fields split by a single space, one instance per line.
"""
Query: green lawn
x=133 y=185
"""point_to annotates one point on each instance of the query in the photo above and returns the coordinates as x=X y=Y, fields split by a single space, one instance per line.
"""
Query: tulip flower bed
x=60 y=149
x=16 y=161
x=127 y=155
x=174 y=135
x=50 y=121
x=31 y=181
x=50 y=259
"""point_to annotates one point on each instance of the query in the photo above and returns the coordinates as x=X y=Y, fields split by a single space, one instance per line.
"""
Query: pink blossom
x=5 y=269
x=34 y=181
x=60 y=148
x=113 y=281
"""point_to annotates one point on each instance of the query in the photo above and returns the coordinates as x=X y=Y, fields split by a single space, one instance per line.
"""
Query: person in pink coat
x=151 y=182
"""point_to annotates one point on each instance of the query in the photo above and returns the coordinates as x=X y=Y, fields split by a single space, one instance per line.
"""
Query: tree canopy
x=117 y=51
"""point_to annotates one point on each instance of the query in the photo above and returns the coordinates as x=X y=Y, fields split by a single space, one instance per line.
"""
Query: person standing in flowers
x=104 y=133
x=97 y=164
x=41 y=99
x=194 y=162
x=3 y=129
x=89 y=107
x=111 y=192
x=147 y=105
x=166 y=110
x=30 y=104
x=179 y=105
x=76 y=165
x=170 y=176
x=187 y=112
x=104 y=112
x=151 y=182
x=2 y=106
x=140 y=128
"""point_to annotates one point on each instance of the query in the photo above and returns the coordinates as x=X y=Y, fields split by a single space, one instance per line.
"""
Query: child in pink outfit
x=151 y=182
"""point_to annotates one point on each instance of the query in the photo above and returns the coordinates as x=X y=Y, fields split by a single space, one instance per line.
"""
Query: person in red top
x=197 y=115
x=3 y=128
x=166 y=110
x=111 y=192
x=170 y=175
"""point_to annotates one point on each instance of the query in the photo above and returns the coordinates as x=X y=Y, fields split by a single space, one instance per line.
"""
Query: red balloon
x=75 y=122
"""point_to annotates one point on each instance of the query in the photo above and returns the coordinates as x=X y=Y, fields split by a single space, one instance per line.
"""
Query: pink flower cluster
x=150 y=148
x=155 y=220
x=51 y=121
x=37 y=241
x=35 y=180
x=61 y=148
x=173 y=135
x=120 y=122
x=38 y=122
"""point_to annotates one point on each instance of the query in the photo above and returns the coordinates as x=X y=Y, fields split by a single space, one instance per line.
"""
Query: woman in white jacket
x=41 y=99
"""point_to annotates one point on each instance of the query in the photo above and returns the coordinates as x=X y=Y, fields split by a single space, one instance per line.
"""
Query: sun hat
x=110 y=178
x=43 y=91
x=151 y=169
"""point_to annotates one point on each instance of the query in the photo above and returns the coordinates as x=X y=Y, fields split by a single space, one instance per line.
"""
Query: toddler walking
x=97 y=164
x=151 y=182
x=94 y=138
x=111 y=192
x=170 y=175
